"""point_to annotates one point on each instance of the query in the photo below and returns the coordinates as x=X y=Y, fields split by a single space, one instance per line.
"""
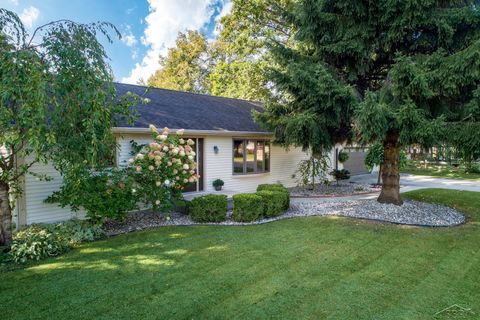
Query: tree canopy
x=57 y=101
x=393 y=71
x=185 y=66
x=234 y=65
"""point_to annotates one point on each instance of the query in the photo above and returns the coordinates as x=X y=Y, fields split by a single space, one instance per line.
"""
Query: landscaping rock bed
x=333 y=190
x=411 y=213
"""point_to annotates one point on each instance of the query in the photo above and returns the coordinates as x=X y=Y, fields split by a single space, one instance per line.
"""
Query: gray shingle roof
x=184 y=110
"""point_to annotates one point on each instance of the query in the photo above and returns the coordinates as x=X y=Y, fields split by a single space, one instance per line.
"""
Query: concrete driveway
x=410 y=182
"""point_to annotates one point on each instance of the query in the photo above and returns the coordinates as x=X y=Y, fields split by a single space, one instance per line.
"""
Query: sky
x=148 y=27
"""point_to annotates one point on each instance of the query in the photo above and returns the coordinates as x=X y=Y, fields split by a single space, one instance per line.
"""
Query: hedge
x=209 y=208
x=271 y=186
x=247 y=207
x=273 y=202
x=279 y=188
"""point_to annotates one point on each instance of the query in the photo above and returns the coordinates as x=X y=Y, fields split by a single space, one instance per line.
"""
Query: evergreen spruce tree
x=392 y=71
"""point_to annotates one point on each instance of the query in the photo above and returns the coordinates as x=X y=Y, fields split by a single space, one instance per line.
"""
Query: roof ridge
x=186 y=92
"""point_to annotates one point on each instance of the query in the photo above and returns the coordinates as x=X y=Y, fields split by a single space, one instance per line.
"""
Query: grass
x=442 y=171
x=316 y=268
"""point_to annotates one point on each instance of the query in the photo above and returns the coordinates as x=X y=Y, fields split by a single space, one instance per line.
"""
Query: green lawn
x=442 y=171
x=315 y=268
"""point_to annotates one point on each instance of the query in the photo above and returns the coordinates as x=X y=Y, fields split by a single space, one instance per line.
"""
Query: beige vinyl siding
x=36 y=191
x=283 y=163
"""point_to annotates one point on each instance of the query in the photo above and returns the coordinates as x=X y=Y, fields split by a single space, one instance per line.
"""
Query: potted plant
x=342 y=156
x=218 y=184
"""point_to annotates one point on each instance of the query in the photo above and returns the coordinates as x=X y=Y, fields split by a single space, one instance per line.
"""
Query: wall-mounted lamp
x=215 y=149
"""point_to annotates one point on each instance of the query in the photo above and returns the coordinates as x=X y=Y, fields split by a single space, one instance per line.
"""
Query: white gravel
x=411 y=213
x=333 y=189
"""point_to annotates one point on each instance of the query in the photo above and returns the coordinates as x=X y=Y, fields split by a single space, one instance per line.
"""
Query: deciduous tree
x=185 y=66
x=57 y=101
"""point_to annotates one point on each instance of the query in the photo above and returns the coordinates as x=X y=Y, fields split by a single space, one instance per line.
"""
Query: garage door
x=356 y=161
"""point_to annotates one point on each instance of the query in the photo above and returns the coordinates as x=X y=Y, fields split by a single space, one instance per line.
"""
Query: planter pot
x=218 y=188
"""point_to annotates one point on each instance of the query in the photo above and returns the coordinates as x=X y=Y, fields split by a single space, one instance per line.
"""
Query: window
x=251 y=156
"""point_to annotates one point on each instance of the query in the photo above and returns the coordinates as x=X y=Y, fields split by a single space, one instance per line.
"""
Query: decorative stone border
x=413 y=213
x=335 y=195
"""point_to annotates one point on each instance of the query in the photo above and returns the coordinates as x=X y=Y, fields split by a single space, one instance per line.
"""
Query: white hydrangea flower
x=162 y=137
x=153 y=128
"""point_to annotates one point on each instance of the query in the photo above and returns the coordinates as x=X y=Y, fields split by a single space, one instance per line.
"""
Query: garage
x=356 y=160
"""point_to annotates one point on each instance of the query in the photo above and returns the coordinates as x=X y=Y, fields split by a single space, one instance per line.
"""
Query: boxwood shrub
x=247 y=207
x=279 y=188
x=273 y=202
x=271 y=186
x=209 y=208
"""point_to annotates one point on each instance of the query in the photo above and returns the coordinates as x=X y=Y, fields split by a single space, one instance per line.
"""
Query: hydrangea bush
x=163 y=168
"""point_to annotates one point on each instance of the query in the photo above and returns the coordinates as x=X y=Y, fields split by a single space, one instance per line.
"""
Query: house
x=229 y=146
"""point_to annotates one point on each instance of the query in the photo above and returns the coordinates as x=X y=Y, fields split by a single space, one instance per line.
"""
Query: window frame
x=255 y=167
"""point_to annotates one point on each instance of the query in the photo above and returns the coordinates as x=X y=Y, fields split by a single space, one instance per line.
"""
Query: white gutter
x=131 y=130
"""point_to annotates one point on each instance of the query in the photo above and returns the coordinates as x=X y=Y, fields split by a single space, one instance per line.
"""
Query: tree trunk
x=313 y=174
x=391 y=171
x=379 y=180
x=5 y=216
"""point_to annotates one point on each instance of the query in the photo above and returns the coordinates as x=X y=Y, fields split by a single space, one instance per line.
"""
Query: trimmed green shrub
x=209 y=208
x=273 y=202
x=277 y=187
x=48 y=240
x=247 y=207
x=271 y=186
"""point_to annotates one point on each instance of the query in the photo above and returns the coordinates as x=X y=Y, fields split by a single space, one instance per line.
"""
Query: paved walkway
x=408 y=182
